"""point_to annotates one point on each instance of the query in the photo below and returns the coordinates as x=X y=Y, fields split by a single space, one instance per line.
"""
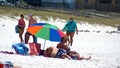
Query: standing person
x=32 y=20
x=70 y=29
x=21 y=27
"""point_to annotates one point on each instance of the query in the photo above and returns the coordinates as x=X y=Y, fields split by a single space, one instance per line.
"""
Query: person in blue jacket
x=70 y=28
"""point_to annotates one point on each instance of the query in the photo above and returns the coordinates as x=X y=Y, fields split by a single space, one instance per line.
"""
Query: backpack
x=20 y=48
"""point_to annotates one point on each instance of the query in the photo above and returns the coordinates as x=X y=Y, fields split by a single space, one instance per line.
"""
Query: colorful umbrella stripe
x=46 y=31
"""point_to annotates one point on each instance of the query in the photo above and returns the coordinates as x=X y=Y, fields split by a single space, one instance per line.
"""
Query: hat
x=30 y=15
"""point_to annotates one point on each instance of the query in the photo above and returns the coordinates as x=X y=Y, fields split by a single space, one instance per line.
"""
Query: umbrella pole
x=44 y=45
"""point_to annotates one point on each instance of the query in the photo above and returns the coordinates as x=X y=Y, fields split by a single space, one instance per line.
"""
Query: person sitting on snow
x=73 y=54
x=63 y=44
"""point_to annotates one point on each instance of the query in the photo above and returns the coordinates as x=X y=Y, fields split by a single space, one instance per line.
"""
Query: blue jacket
x=70 y=26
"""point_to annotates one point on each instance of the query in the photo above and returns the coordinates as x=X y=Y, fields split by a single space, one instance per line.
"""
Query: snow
x=100 y=42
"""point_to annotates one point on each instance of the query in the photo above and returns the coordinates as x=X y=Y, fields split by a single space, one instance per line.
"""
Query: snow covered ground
x=100 y=42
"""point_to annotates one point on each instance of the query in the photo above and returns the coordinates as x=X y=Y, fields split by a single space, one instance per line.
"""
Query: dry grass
x=45 y=14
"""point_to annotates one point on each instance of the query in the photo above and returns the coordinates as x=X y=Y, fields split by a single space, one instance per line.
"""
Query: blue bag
x=16 y=29
x=20 y=48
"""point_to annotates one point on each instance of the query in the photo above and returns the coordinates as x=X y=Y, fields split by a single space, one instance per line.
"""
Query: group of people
x=21 y=28
x=62 y=50
x=70 y=28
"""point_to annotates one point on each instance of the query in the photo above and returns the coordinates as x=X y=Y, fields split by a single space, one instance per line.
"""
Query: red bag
x=35 y=48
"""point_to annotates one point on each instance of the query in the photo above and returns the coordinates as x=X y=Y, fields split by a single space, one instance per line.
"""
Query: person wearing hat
x=32 y=20
x=70 y=28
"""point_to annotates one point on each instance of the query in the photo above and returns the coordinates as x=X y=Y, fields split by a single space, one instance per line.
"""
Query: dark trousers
x=27 y=36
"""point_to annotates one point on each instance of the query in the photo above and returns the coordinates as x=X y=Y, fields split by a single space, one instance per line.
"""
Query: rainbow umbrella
x=46 y=31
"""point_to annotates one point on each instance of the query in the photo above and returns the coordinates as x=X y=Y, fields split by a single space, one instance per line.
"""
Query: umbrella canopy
x=46 y=31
